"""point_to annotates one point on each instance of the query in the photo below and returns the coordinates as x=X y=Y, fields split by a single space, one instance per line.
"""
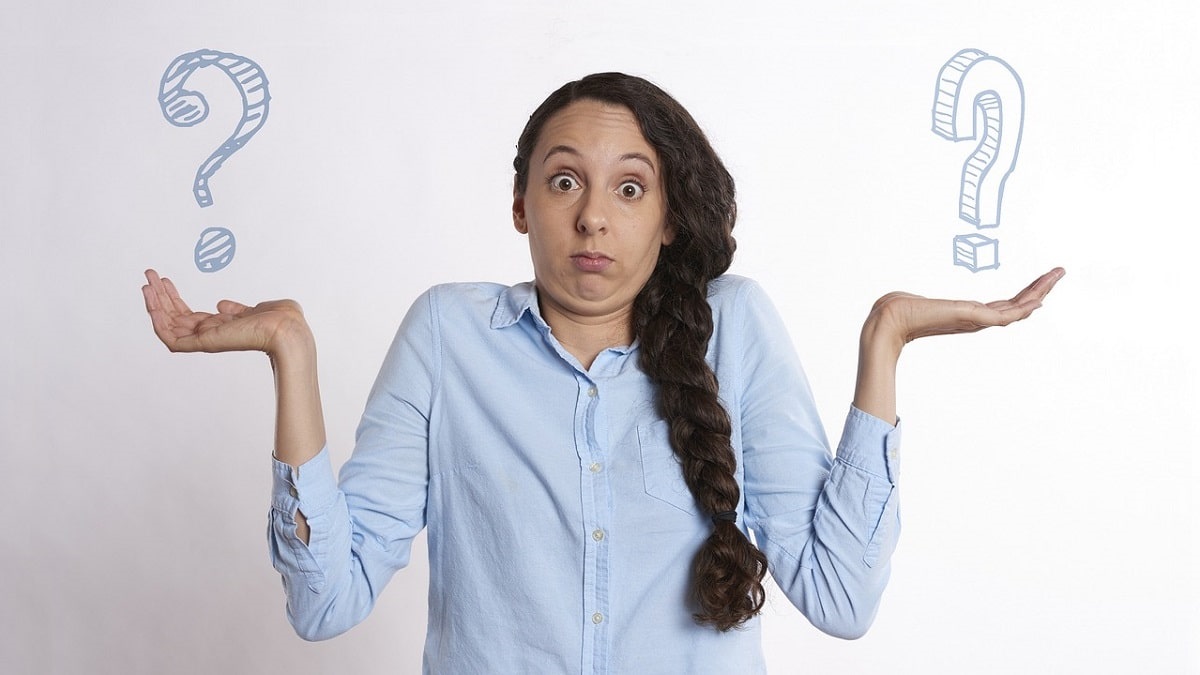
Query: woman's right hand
x=269 y=327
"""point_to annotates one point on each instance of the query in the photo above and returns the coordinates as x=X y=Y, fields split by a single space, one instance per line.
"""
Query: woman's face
x=595 y=212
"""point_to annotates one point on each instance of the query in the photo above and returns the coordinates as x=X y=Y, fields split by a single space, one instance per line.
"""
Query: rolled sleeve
x=871 y=445
x=310 y=487
x=868 y=464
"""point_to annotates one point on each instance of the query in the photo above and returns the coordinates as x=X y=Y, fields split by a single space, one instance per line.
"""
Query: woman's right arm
x=277 y=328
x=336 y=545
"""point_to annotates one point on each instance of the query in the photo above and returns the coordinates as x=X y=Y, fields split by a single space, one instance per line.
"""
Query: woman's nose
x=593 y=214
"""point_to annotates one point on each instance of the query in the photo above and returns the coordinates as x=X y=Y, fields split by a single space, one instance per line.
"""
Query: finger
x=1050 y=279
x=154 y=295
x=177 y=302
x=163 y=291
x=231 y=307
x=1017 y=312
x=150 y=297
x=1040 y=286
x=153 y=290
x=1034 y=292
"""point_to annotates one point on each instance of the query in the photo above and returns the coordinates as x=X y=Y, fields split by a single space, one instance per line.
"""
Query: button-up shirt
x=560 y=529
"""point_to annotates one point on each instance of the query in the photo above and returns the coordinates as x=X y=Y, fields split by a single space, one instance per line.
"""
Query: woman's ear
x=519 y=212
x=668 y=237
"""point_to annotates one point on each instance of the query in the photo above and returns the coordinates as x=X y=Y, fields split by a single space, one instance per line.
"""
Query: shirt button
x=598 y=534
x=597 y=617
x=595 y=467
x=592 y=392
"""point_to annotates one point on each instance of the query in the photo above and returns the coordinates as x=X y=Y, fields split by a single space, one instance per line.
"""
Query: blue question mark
x=977 y=95
x=185 y=108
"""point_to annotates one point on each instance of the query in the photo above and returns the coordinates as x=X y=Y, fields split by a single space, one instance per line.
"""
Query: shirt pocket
x=661 y=470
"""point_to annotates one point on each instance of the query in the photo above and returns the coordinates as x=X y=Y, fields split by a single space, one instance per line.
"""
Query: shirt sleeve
x=361 y=527
x=827 y=525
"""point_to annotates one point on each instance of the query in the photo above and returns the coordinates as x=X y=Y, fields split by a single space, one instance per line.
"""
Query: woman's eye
x=563 y=183
x=631 y=190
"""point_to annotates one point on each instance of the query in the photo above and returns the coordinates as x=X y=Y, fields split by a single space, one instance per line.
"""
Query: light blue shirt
x=561 y=532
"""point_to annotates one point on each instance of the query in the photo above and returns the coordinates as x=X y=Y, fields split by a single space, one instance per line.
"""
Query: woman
x=591 y=450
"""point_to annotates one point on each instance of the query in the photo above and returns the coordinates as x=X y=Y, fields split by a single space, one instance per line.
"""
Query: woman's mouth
x=591 y=262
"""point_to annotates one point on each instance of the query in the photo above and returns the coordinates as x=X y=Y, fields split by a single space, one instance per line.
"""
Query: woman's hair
x=673 y=322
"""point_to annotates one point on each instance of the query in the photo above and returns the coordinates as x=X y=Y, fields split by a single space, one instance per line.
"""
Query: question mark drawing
x=215 y=249
x=980 y=96
x=186 y=108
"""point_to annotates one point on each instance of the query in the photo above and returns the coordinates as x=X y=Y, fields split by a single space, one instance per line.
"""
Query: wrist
x=292 y=345
x=879 y=340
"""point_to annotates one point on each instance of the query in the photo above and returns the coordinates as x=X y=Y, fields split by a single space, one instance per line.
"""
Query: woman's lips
x=591 y=262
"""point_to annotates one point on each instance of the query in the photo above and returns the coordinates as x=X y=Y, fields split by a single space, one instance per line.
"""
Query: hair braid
x=674 y=323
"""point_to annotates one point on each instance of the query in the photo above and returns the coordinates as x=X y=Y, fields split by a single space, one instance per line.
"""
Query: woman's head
x=692 y=243
x=700 y=206
x=594 y=211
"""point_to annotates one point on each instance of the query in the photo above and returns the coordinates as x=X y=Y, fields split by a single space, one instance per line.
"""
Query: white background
x=1049 y=468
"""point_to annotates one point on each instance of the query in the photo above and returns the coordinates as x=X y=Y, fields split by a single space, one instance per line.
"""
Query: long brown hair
x=673 y=323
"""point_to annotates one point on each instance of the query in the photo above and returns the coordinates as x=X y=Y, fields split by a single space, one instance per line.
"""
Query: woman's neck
x=584 y=336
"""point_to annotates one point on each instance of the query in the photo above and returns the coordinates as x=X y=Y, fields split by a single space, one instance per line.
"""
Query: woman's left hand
x=899 y=318
x=905 y=317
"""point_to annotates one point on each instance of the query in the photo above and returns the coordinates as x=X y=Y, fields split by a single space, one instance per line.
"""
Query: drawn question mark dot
x=183 y=107
x=978 y=96
x=215 y=249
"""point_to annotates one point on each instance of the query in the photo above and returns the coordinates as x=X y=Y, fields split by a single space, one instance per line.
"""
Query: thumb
x=231 y=307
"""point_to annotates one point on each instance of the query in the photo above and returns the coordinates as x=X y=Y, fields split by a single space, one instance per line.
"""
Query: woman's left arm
x=829 y=525
x=899 y=318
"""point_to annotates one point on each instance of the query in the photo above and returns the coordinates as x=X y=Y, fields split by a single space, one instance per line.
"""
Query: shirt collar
x=514 y=302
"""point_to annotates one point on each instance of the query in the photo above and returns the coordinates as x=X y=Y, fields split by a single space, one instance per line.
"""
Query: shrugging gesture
x=532 y=391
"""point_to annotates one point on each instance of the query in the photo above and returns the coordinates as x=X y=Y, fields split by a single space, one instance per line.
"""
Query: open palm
x=233 y=327
x=913 y=316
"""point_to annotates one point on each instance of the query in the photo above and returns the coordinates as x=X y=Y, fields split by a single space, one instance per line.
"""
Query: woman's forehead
x=588 y=126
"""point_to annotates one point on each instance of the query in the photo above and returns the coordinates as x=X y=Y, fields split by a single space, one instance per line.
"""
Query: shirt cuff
x=309 y=487
x=870 y=444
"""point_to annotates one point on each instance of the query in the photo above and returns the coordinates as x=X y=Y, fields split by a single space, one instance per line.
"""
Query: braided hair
x=673 y=322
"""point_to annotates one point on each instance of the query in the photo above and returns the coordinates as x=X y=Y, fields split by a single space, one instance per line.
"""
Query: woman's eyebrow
x=640 y=157
x=561 y=148
x=566 y=149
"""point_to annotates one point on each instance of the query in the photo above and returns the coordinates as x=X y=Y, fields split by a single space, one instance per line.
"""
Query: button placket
x=593 y=440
